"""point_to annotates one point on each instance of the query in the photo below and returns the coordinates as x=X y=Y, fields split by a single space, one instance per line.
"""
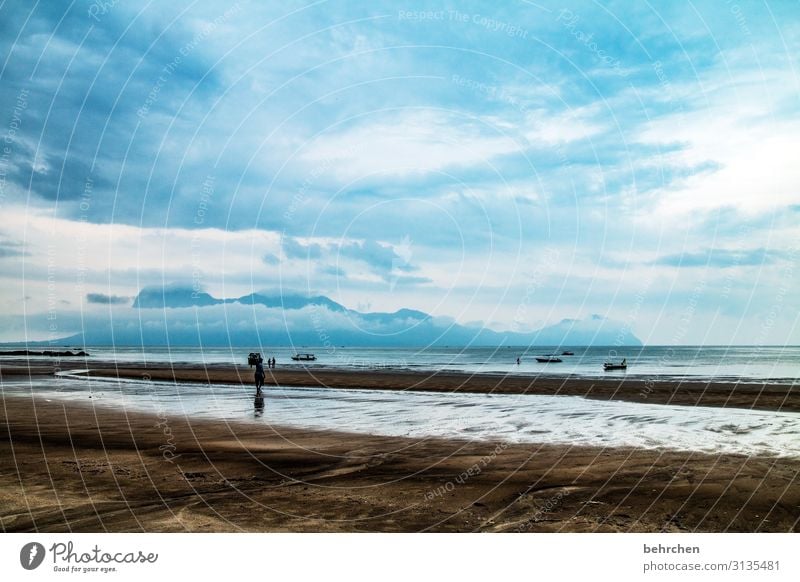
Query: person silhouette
x=259 y=375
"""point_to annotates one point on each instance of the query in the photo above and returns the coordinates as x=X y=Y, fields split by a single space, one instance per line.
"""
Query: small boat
x=549 y=359
x=304 y=357
x=567 y=353
x=623 y=365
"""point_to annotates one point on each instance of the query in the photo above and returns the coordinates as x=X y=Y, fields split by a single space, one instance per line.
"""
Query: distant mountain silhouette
x=184 y=317
x=174 y=297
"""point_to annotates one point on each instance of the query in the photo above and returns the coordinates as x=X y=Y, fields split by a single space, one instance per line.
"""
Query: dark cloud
x=75 y=86
x=10 y=248
x=375 y=255
x=270 y=259
x=103 y=299
x=59 y=179
x=294 y=249
x=409 y=281
x=720 y=258
x=382 y=259
x=332 y=270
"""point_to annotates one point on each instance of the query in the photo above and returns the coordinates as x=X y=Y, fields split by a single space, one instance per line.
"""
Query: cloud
x=231 y=151
x=270 y=259
x=542 y=127
x=294 y=249
x=385 y=260
x=408 y=143
x=720 y=258
x=73 y=89
x=381 y=258
x=9 y=248
x=736 y=140
x=102 y=299
x=61 y=252
x=333 y=271
x=407 y=280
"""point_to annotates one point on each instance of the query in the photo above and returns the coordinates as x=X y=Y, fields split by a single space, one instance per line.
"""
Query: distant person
x=272 y=363
x=259 y=375
x=517 y=361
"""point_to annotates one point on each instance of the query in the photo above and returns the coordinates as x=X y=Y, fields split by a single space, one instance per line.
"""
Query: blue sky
x=510 y=165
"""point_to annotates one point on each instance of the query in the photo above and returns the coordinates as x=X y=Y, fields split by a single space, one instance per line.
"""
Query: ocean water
x=779 y=364
x=482 y=417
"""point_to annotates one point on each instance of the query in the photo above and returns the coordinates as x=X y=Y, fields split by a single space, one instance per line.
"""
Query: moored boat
x=304 y=357
x=623 y=365
x=548 y=359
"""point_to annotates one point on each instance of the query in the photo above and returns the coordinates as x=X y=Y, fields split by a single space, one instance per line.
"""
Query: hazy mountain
x=181 y=317
x=173 y=297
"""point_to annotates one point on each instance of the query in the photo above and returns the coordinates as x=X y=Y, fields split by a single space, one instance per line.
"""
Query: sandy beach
x=77 y=467
x=759 y=396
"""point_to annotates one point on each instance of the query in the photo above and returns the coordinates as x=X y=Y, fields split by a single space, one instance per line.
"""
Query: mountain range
x=181 y=316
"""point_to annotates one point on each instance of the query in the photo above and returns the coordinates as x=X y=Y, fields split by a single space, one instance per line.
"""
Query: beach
x=78 y=465
x=762 y=395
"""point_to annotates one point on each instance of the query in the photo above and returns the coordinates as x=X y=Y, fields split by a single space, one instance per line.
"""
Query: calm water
x=485 y=417
x=740 y=363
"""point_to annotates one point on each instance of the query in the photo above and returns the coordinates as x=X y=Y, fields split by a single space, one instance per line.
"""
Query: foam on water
x=492 y=417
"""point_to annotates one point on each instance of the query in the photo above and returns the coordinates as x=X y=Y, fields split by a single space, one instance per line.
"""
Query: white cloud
x=69 y=258
x=408 y=143
x=546 y=127
x=739 y=126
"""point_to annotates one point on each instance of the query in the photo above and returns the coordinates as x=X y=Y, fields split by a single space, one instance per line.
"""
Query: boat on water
x=623 y=365
x=549 y=359
x=304 y=357
x=567 y=353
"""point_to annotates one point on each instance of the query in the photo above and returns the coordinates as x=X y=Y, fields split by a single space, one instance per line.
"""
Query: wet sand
x=617 y=387
x=74 y=467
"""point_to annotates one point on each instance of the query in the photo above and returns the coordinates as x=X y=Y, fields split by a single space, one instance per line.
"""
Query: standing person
x=259 y=375
x=272 y=365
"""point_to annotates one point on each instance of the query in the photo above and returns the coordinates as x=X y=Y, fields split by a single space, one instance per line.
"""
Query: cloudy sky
x=513 y=166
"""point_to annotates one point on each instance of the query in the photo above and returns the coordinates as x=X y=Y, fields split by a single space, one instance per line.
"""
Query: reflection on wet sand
x=491 y=417
x=258 y=404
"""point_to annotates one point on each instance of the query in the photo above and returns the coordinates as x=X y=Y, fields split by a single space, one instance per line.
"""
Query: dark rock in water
x=47 y=353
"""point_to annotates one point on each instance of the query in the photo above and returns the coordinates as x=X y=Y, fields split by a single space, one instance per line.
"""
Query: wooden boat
x=623 y=365
x=548 y=359
x=304 y=357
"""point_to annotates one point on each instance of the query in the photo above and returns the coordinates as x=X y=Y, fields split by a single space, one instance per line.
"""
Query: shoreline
x=74 y=467
x=765 y=396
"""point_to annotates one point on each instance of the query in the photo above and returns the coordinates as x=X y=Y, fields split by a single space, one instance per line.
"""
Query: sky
x=507 y=166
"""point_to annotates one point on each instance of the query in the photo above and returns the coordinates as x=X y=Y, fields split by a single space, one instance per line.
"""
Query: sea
x=497 y=418
x=746 y=364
